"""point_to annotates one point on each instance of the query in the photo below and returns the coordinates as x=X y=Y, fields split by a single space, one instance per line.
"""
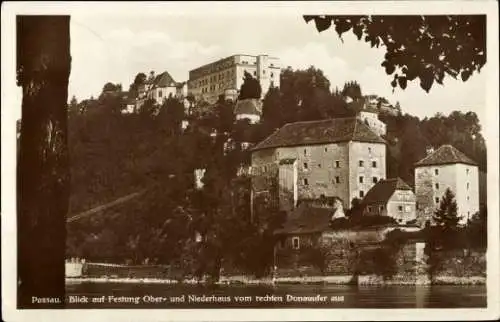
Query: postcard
x=250 y=161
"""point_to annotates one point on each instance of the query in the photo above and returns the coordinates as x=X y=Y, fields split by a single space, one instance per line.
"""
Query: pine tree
x=446 y=215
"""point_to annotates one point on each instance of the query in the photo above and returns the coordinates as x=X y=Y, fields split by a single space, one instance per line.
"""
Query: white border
x=490 y=132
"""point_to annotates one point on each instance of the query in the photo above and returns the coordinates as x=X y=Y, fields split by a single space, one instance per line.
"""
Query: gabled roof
x=163 y=80
x=247 y=106
x=306 y=219
x=446 y=154
x=384 y=189
x=318 y=132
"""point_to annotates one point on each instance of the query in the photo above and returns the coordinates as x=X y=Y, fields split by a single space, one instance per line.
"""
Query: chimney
x=429 y=150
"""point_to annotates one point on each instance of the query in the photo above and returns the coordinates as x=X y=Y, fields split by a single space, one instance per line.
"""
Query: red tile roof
x=318 y=132
x=247 y=106
x=307 y=219
x=446 y=154
x=164 y=80
x=384 y=189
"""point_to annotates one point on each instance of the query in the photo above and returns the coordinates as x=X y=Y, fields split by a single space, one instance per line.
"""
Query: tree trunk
x=43 y=66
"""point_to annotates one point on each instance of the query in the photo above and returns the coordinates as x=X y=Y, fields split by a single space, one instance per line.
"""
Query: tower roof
x=164 y=80
x=318 y=132
x=247 y=106
x=446 y=154
x=384 y=189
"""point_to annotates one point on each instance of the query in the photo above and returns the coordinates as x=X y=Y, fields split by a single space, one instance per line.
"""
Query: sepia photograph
x=203 y=156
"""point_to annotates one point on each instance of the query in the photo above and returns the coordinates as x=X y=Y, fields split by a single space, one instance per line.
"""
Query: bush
x=362 y=222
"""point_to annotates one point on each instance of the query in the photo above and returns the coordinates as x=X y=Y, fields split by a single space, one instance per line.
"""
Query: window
x=400 y=208
x=159 y=93
x=319 y=165
x=337 y=164
x=326 y=149
x=467 y=171
x=306 y=166
x=254 y=73
x=468 y=198
x=381 y=208
x=436 y=199
x=295 y=242
x=305 y=151
x=337 y=179
x=436 y=171
x=272 y=74
x=437 y=186
x=361 y=179
x=264 y=71
x=369 y=209
x=374 y=164
x=306 y=182
x=375 y=179
x=272 y=84
x=369 y=150
x=361 y=194
x=361 y=163
x=467 y=185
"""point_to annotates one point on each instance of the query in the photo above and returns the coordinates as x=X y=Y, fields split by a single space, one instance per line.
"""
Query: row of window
x=337 y=164
x=436 y=171
x=437 y=186
x=337 y=180
x=214 y=78
x=437 y=200
x=370 y=208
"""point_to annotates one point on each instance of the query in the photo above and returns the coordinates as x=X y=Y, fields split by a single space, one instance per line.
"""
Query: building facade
x=393 y=198
x=340 y=158
x=225 y=76
x=442 y=169
x=159 y=88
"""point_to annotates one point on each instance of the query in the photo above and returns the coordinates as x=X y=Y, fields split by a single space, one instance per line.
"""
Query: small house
x=393 y=198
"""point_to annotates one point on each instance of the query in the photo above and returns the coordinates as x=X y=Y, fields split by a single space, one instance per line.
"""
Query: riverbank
x=329 y=280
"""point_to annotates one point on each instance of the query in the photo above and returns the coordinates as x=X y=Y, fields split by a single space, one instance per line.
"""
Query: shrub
x=362 y=222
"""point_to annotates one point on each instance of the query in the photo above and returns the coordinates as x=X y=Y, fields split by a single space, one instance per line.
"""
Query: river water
x=128 y=295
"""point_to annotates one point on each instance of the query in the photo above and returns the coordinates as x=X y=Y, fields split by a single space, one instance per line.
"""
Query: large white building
x=340 y=158
x=445 y=168
x=225 y=76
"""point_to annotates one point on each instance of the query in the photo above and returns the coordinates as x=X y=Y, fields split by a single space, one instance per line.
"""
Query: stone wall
x=347 y=253
x=461 y=263
x=424 y=193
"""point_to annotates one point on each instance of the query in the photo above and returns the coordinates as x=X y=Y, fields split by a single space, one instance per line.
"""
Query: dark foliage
x=423 y=47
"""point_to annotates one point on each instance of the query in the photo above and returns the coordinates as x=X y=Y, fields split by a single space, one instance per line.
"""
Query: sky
x=114 y=48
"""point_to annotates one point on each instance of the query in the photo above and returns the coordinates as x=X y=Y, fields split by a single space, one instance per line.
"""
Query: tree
x=139 y=80
x=43 y=68
x=477 y=229
x=110 y=87
x=446 y=216
x=171 y=114
x=353 y=90
x=356 y=209
x=423 y=47
x=73 y=105
x=272 y=110
x=250 y=87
